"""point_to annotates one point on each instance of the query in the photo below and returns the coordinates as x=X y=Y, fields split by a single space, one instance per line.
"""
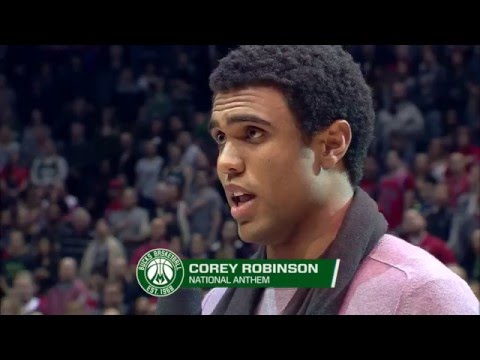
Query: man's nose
x=230 y=161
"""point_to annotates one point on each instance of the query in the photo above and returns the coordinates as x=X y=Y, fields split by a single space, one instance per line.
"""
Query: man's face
x=457 y=163
x=476 y=241
x=424 y=189
x=77 y=130
x=393 y=161
x=4 y=133
x=229 y=230
x=413 y=223
x=14 y=156
x=44 y=246
x=54 y=213
x=399 y=91
x=457 y=58
x=25 y=287
x=161 y=193
x=102 y=229
x=463 y=138
x=112 y=295
x=174 y=152
x=67 y=270
x=50 y=148
x=198 y=246
x=156 y=127
x=119 y=267
x=158 y=228
x=441 y=195
x=435 y=148
x=184 y=139
x=126 y=140
x=141 y=306
x=421 y=163
x=175 y=123
x=129 y=199
x=17 y=243
x=150 y=149
x=262 y=154
x=173 y=192
x=80 y=221
x=199 y=118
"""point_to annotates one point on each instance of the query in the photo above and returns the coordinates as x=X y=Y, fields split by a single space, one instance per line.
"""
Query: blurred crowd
x=105 y=154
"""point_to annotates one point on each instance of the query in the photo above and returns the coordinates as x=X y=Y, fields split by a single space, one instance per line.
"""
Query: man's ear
x=331 y=145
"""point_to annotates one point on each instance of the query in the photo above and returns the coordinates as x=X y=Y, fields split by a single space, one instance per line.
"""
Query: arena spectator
x=413 y=229
x=49 y=168
x=158 y=239
x=130 y=225
x=395 y=190
x=76 y=235
x=10 y=305
x=190 y=150
x=101 y=252
x=34 y=136
x=476 y=249
x=403 y=119
x=112 y=299
x=14 y=179
x=438 y=159
x=198 y=247
x=204 y=208
x=147 y=170
x=128 y=158
x=175 y=170
x=230 y=246
x=25 y=288
x=45 y=265
x=369 y=182
x=16 y=258
x=466 y=219
x=439 y=217
x=456 y=178
x=70 y=291
x=81 y=160
x=7 y=145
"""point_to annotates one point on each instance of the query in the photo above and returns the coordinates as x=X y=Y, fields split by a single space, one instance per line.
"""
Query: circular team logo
x=160 y=272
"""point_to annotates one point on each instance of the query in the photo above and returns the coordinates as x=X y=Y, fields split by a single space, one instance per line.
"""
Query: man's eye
x=219 y=138
x=253 y=133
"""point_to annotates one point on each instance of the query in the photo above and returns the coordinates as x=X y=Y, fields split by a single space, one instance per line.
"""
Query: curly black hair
x=321 y=83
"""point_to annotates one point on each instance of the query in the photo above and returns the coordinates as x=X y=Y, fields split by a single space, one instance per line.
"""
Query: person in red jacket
x=414 y=231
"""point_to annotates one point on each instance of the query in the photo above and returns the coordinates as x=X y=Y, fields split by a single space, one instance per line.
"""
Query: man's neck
x=315 y=233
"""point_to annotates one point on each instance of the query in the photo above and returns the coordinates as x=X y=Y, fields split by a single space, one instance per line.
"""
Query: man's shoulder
x=400 y=278
x=411 y=262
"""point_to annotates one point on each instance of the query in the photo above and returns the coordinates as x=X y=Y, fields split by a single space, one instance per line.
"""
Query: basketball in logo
x=160 y=272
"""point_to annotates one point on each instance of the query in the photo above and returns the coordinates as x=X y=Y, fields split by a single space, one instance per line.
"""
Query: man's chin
x=253 y=233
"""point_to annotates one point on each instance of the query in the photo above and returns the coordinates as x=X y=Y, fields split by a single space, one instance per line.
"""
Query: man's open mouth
x=240 y=198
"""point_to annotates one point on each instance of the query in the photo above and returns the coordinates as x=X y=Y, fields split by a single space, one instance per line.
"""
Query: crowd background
x=105 y=154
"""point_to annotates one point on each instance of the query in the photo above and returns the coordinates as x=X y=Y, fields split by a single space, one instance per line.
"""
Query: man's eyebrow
x=212 y=124
x=238 y=118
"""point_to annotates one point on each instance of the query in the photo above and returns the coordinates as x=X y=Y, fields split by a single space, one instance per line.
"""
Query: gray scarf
x=361 y=229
